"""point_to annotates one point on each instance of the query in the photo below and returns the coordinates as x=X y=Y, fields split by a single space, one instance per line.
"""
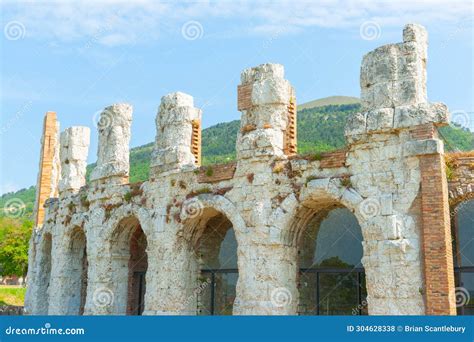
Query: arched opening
x=215 y=251
x=44 y=274
x=78 y=265
x=331 y=278
x=463 y=251
x=129 y=266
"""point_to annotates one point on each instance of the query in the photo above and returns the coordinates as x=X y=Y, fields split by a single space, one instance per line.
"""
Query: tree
x=14 y=243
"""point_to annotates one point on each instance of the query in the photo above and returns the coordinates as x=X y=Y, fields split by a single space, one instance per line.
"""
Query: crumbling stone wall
x=269 y=195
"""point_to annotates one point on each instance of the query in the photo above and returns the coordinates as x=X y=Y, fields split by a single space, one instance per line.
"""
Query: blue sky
x=76 y=58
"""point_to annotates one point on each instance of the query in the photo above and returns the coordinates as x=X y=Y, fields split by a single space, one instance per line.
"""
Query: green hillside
x=320 y=129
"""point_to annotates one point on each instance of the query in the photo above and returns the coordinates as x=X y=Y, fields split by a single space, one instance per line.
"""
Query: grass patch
x=12 y=295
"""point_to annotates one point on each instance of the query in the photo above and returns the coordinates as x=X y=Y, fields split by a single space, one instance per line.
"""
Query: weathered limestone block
x=114 y=138
x=267 y=284
x=264 y=97
x=74 y=148
x=356 y=126
x=420 y=147
x=380 y=119
x=409 y=116
x=174 y=130
x=395 y=74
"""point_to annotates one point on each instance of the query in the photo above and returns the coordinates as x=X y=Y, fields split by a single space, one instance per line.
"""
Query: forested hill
x=320 y=129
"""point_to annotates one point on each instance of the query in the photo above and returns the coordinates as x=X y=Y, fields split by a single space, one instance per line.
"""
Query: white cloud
x=113 y=23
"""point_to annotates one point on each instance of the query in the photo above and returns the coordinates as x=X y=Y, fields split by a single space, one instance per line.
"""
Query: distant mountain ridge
x=320 y=129
x=328 y=101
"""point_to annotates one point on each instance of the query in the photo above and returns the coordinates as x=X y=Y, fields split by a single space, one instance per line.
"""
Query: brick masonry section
x=216 y=173
x=196 y=141
x=333 y=159
x=49 y=143
x=421 y=132
x=244 y=97
x=436 y=237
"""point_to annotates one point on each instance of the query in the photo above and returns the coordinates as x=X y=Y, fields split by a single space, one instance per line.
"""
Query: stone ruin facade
x=100 y=242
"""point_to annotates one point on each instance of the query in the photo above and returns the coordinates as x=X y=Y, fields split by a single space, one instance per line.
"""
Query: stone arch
x=300 y=220
x=210 y=222
x=76 y=268
x=193 y=210
x=457 y=198
x=319 y=196
x=44 y=272
x=129 y=262
x=125 y=211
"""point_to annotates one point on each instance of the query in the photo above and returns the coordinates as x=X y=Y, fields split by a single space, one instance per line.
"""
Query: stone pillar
x=58 y=299
x=49 y=168
x=101 y=290
x=384 y=154
x=267 y=279
x=177 y=144
x=73 y=155
x=394 y=75
x=113 y=151
x=173 y=276
x=267 y=102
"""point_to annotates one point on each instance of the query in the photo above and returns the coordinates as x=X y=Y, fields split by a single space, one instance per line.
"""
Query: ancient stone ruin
x=165 y=246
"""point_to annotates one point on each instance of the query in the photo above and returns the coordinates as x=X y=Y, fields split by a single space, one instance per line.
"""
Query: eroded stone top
x=74 y=148
x=114 y=138
x=267 y=70
x=176 y=99
x=395 y=74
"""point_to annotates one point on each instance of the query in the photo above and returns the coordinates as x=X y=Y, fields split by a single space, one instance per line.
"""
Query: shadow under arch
x=212 y=231
x=129 y=263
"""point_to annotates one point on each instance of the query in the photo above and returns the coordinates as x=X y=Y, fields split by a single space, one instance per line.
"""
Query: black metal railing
x=139 y=305
x=463 y=307
x=360 y=286
x=212 y=273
